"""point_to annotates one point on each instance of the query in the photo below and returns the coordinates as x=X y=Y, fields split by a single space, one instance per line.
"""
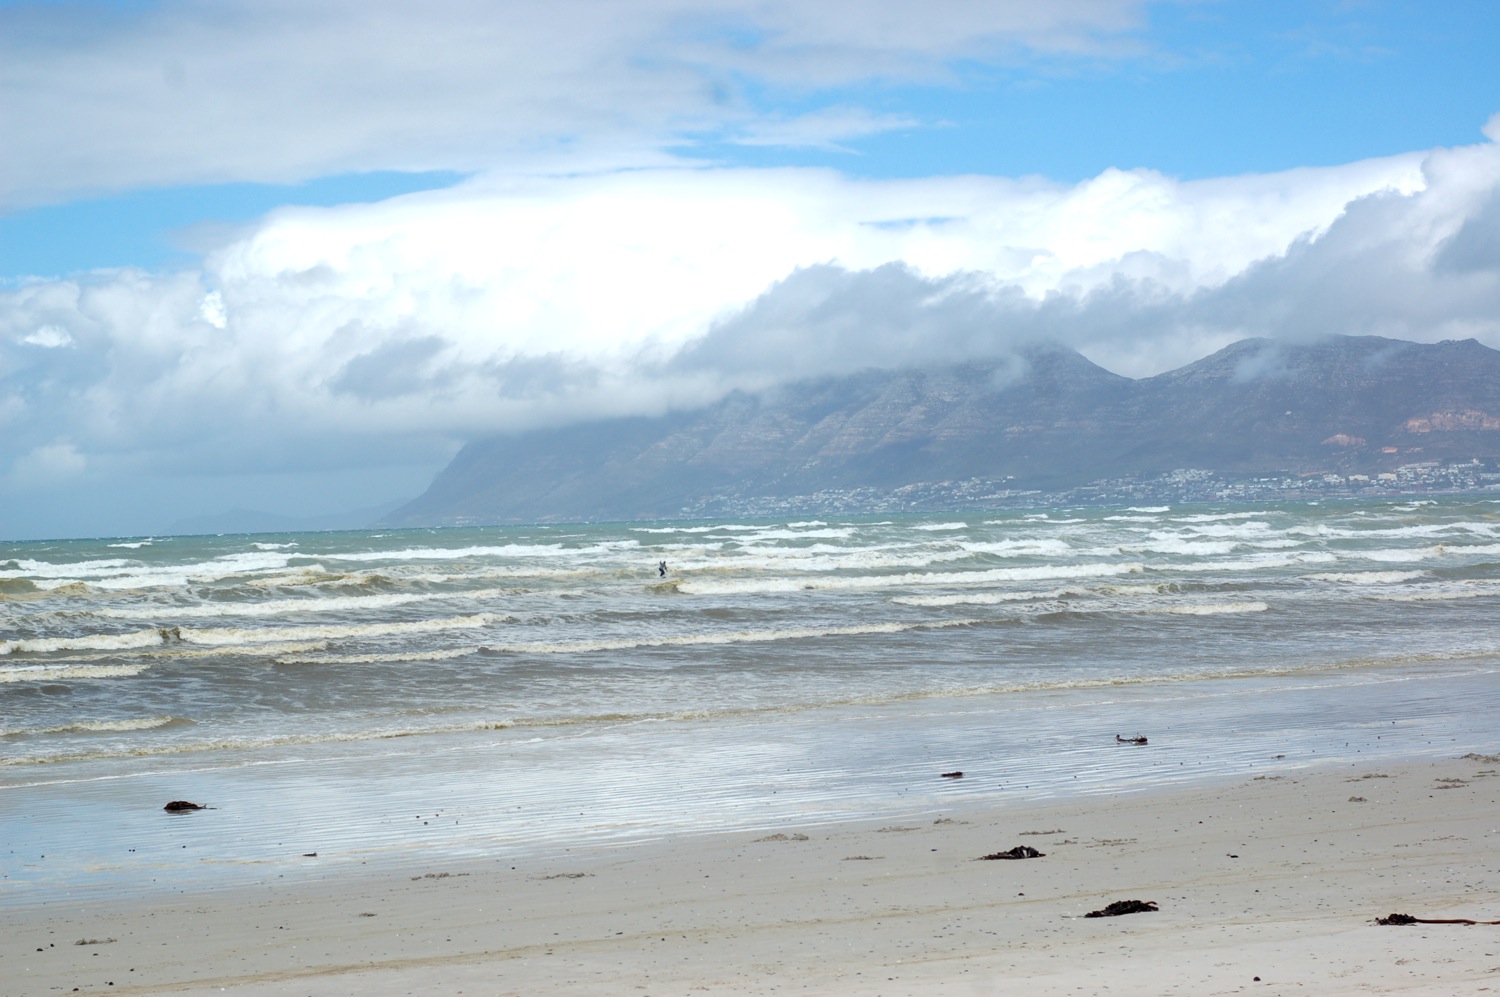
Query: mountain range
x=1043 y=418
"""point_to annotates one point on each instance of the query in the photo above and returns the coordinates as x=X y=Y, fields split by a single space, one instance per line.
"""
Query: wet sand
x=1278 y=877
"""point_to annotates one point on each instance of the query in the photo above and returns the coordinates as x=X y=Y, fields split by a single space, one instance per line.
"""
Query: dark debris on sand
x=1124 y=907
x=1018 y=852
x=1408 y=919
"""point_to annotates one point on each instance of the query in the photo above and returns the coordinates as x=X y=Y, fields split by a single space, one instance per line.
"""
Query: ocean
x=460 y=695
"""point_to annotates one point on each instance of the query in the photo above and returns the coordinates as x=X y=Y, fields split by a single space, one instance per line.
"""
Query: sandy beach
x=1266 y=884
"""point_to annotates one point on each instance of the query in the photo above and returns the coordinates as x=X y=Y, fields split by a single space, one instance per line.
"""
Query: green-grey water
x=549 y=685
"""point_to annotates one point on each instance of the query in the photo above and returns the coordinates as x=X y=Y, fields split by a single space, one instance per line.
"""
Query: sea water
x=472 y=694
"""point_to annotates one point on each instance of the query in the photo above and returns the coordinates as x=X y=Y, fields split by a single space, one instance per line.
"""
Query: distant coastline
x=1185 y=486
x=1188 y=485
x=1344 y=416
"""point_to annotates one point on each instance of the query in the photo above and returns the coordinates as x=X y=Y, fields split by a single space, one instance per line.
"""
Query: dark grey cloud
x=1475 y=247
x=1366 y=275
x=395 y=368
x=828 y=320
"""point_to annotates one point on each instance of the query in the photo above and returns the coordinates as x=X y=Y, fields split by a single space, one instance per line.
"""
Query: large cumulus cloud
x=344 y=340
x=395 y=330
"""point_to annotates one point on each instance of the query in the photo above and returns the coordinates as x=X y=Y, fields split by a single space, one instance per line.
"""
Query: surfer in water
x=661 y=568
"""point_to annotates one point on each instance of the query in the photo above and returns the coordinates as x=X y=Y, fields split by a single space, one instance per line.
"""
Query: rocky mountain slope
x=1045 y=418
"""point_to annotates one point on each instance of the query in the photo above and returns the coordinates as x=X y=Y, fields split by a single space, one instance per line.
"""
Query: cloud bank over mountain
x=601 y=259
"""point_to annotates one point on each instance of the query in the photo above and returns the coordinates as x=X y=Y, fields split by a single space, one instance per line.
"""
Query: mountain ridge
x=1044 y=418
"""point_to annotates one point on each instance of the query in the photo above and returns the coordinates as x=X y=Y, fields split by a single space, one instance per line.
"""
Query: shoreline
x=96 y=829
x=1277 y=876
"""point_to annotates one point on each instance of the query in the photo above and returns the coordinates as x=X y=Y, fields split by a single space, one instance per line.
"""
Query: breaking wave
x=290 y=607
x=335 y=631
x=1210 y=609
x=693 y=586
x=86 y=642
x=99 y=726
x=630 y=643
x=1367 y=577
x=60 y=673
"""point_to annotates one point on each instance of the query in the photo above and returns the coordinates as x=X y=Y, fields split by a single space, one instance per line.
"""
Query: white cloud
x=49 y=337
x=48 y=465
x=585 y=268
x=383 y=334
x=276 y=90
x=212 y=310
x=823 y=129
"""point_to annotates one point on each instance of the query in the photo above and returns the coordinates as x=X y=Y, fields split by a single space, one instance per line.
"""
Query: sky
x=290 y=256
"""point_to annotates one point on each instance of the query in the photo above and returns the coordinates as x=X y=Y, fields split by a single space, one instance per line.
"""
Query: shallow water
x=544 y=689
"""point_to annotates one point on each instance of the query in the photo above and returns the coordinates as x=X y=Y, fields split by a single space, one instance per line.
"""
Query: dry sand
x=1277 y=878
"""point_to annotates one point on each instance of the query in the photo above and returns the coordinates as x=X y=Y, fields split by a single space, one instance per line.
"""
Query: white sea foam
x=986 y=598
x=1254 y=562
x=310 y=574
x=1397 y=555
x=1026 y=547
x=377 y=657
x=731 y=637
x=61 y=586
x=453 y=553
x=1416 y=531
x=532 y=573
x=772 y=555
x=814 y=561
x=99 y=726
x=1170 y=544
x=1441 y=592
x=121 y=574
x=1038 y=517
x=83 y=642
x=1250 y=529
x=938 y=527
x=675 y=529
x=831 y=533
x=1210 y=608
x=29 y=568
x=695 y=586
x=1468 y=550
x=1157 y=608
x=136 y=545
x=69 y=672
x=630 y=643
x=295 y=607
x=609 y=547
x=1367 y=577
x=335 y=631
x=704 y=529
x=1216 y=517
x=176 y=650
